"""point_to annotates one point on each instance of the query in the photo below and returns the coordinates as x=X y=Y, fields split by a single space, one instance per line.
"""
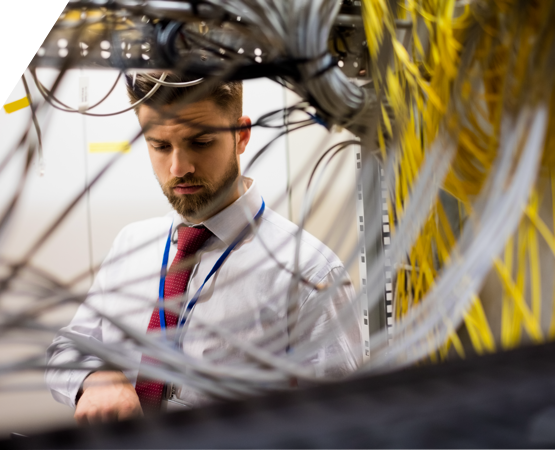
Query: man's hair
x=228 y=96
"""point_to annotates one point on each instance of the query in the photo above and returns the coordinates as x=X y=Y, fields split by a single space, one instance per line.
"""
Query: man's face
x=196 y=165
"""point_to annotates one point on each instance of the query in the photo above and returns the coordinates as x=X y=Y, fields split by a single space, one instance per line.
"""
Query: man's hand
x=107 y=397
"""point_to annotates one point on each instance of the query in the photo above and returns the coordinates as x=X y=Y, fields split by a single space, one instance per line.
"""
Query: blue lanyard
x=218 y=264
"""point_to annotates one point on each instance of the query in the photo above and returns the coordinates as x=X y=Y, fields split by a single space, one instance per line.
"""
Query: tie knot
x=190 y=239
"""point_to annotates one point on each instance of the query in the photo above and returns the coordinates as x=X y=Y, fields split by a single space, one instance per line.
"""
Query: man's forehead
x=203 y=113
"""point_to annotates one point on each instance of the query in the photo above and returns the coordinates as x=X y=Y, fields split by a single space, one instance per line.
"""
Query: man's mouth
x=185 y=189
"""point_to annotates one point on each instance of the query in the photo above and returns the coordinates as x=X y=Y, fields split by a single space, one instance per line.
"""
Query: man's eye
x=161 y=147
x=202 y=144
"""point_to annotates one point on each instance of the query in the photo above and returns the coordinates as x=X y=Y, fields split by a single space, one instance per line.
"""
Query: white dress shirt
x=252 y=283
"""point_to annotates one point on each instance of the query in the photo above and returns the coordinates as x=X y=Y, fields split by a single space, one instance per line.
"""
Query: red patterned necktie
x=189 y=241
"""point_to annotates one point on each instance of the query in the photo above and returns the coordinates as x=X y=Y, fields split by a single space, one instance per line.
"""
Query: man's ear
x=243 y=133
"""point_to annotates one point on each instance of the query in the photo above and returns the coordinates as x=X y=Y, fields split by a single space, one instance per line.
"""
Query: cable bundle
x=478 y=80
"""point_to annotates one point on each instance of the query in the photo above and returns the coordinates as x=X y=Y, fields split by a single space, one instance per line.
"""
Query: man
x=195 y=136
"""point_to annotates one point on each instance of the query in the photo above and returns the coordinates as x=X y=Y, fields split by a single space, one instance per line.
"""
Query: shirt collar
x=229 y=222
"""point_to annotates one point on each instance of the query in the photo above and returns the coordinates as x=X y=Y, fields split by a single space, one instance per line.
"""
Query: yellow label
x=109 y=147
x=17 y=105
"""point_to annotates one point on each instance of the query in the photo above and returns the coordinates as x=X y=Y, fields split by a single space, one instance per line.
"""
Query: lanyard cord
x=218 y=264
x=163 y=272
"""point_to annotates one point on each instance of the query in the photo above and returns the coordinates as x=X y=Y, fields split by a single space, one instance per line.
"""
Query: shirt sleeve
x=67 y=365
x=328 y=333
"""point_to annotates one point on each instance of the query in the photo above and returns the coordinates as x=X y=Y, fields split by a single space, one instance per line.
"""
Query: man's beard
x=205 y=203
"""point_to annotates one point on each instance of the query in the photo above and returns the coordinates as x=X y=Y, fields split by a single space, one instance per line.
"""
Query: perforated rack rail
x=502 y=400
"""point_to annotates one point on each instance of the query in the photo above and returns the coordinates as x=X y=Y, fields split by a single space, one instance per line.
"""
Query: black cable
x=33 y=113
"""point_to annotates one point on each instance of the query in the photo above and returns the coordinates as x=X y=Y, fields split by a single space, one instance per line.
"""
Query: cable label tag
x=17 y=105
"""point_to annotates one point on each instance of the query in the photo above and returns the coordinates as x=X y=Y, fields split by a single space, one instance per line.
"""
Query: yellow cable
x=533 y=328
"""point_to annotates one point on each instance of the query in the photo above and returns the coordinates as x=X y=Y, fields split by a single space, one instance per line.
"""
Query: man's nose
x=180 y=164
